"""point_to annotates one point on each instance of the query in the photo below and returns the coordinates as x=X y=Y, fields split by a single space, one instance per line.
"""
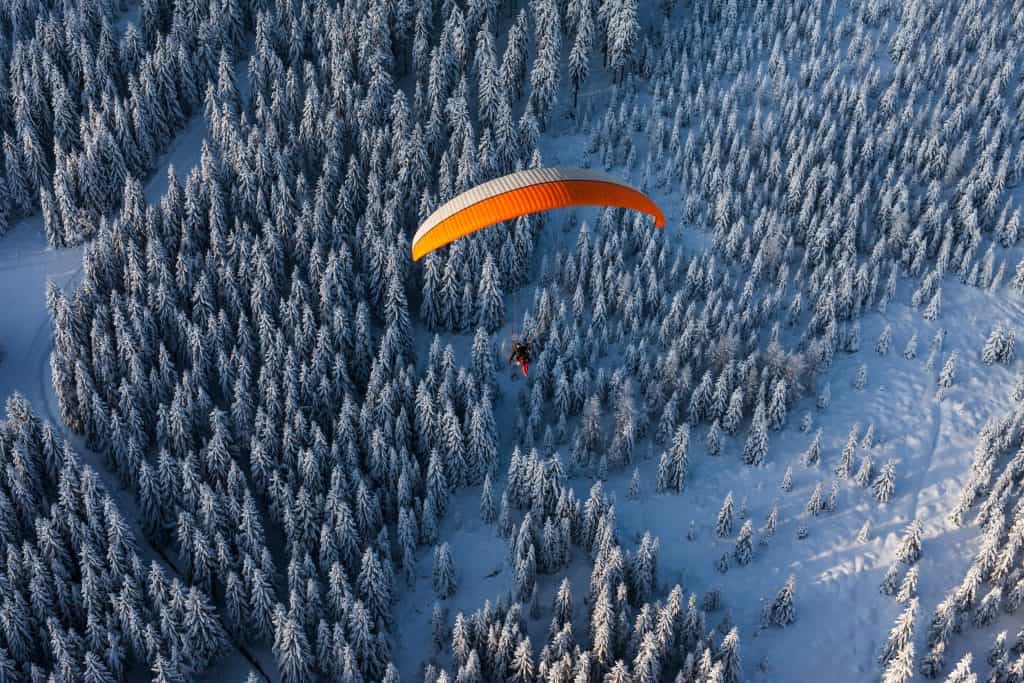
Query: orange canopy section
x=522 y=193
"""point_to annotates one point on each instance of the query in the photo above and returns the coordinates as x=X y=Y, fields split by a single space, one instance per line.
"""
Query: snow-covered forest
x=247 y=438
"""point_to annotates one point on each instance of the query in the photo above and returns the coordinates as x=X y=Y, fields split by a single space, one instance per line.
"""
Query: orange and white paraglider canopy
x=525 y=192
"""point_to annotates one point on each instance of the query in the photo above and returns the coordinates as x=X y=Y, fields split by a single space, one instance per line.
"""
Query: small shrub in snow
x=864 y=535
x=806 y=422
x=885 y=483
x=999 y=346
x=801 y=532
x=910 y=350
x=691 y=533
x=722 y=564
x=861 y=380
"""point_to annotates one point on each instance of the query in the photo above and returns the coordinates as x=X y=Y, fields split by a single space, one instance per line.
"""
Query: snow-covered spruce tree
x=865 y=472
x=999 y=346
x=948 y=374
x=634 y=485
x=901 y=633
x=885 y=483
x=825 y=397
x=444 y=572
x=861 y=379
x=713 y=439
x=723 y=525
x=988 y=609
x=787 y=480
x=910 y=350
x=890 y=582
x=908 y=589
x=934 y=307
x=771 y=521
x=884 y=341
x=781 y=611
x=815 y=504
x=744 y=549
x=777 y=407
x=845 y=466
x=909 y=550
x=864 y=535
x=900 y=668
x=756 y=447
x=813 y=453
x=488 y=511
x=962 y=672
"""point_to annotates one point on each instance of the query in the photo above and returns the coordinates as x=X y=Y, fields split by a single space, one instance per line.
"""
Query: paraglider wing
x=525 y=192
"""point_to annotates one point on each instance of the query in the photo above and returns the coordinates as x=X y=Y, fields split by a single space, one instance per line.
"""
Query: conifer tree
x=908 y=589
x=910 y=351
x=490 y=304
x=444 y=572
x=884 y=341
x=787 y=480
x=488 y=511
x=723 y=526
x=781 y=611
x=813 y=453
x=885 y=484
x=756 y=447
x=744 y=547
x=948 y=374
x=864 y=535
